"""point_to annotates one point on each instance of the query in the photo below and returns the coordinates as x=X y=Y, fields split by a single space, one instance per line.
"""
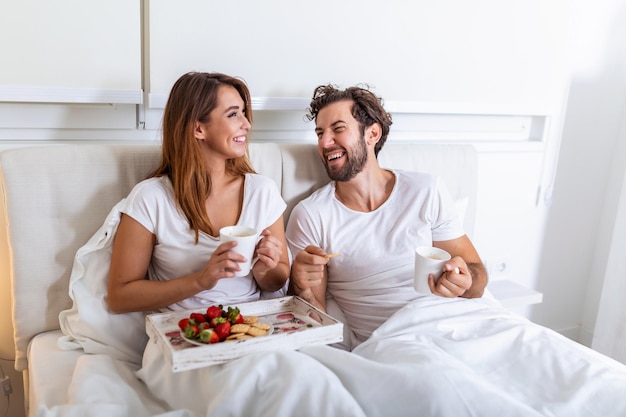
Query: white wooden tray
x=295 y=324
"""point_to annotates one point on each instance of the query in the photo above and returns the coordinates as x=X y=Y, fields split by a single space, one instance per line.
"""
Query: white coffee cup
x=246 y=238
x=428 y=260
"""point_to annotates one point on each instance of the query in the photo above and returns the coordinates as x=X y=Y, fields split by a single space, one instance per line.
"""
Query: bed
x=435 y=357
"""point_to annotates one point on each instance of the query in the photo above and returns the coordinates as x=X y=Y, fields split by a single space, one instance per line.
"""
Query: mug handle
x=256 y=258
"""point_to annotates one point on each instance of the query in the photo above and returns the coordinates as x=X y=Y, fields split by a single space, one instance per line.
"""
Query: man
x=372 y=219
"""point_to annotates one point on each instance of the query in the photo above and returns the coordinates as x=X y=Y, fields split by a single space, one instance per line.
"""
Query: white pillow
x=89 y=324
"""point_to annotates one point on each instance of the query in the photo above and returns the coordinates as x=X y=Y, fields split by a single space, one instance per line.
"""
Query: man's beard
x=355 y=161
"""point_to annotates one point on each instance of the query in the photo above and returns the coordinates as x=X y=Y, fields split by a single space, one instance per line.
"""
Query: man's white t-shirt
x=373 y=276
x=175 y=254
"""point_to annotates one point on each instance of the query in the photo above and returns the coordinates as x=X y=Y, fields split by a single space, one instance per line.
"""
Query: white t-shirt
x=175 y=254
x=373 y=276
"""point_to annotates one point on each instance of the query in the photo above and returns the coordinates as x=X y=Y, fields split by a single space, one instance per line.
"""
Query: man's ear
x=373 y=133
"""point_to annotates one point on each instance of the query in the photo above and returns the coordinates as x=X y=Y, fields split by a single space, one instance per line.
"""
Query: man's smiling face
x=341 y=144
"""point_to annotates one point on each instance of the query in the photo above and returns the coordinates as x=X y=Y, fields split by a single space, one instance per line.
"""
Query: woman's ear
x=198 y=131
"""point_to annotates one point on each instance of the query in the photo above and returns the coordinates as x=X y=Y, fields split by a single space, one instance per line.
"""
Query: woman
x=169 y=230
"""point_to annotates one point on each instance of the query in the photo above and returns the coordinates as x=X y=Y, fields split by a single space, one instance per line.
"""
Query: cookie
x=240 y=328
x=250 y=319
x=263 y=326
x=256 y=332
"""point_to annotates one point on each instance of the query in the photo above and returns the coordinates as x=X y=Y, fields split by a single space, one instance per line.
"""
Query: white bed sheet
x=435 y=357
x=71 y=383
x=50 y=370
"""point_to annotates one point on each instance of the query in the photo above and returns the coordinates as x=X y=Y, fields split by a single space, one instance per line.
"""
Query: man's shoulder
x=319 y=197
x=414 y=175
x=322 y=193
x=415 y=178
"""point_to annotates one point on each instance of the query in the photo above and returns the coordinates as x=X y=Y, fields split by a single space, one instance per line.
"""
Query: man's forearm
x=307 y=295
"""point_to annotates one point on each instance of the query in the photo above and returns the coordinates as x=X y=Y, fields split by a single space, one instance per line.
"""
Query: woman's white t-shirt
x=373 y=276
x=175 y=254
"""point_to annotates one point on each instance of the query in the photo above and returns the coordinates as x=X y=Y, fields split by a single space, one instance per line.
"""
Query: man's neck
x=367 y=191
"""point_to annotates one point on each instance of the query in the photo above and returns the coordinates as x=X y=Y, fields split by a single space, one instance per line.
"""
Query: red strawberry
x=216 y=320
x=197 y=317
x=234 y=315
x=182 y=324
x=191 y=331
x=209 y=336
x=214 y=311
x=223 y=330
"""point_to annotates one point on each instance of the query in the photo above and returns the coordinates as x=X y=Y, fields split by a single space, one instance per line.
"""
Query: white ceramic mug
x=246 y=238
x=428 y=260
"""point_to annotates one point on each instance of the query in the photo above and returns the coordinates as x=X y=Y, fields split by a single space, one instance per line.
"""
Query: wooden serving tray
x=295 y=324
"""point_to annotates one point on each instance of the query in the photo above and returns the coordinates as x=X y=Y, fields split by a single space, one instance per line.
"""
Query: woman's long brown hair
x=193 y=97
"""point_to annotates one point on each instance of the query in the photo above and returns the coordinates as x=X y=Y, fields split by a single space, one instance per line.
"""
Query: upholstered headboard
x=55 y=197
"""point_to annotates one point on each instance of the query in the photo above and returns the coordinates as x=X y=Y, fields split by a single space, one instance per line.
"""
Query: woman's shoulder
x=150 y=188
x=260 y=180
x=161 y=182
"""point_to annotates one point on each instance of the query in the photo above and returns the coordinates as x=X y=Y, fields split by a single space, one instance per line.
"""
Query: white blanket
x=458 y=357
x=435 y=357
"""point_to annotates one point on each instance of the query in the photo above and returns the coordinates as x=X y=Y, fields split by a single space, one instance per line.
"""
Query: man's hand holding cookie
x=307 y=270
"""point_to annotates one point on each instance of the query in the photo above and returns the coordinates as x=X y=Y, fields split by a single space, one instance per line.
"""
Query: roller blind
x=70 y=51
x=491 y=52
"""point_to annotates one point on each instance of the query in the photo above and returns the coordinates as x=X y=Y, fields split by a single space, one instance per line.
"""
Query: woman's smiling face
x=227 y=129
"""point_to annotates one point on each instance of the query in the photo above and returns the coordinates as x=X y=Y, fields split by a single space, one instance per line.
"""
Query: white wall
x=490 y=72
x=591 y=166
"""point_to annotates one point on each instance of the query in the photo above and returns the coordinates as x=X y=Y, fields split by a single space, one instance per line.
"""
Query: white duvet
x=458 y=357
x=435 y=357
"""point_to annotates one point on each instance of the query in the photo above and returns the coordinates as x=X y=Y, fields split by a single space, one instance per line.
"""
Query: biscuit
x=255 y=331
x=239 y=328
x=250 y=319
x=263 y=326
